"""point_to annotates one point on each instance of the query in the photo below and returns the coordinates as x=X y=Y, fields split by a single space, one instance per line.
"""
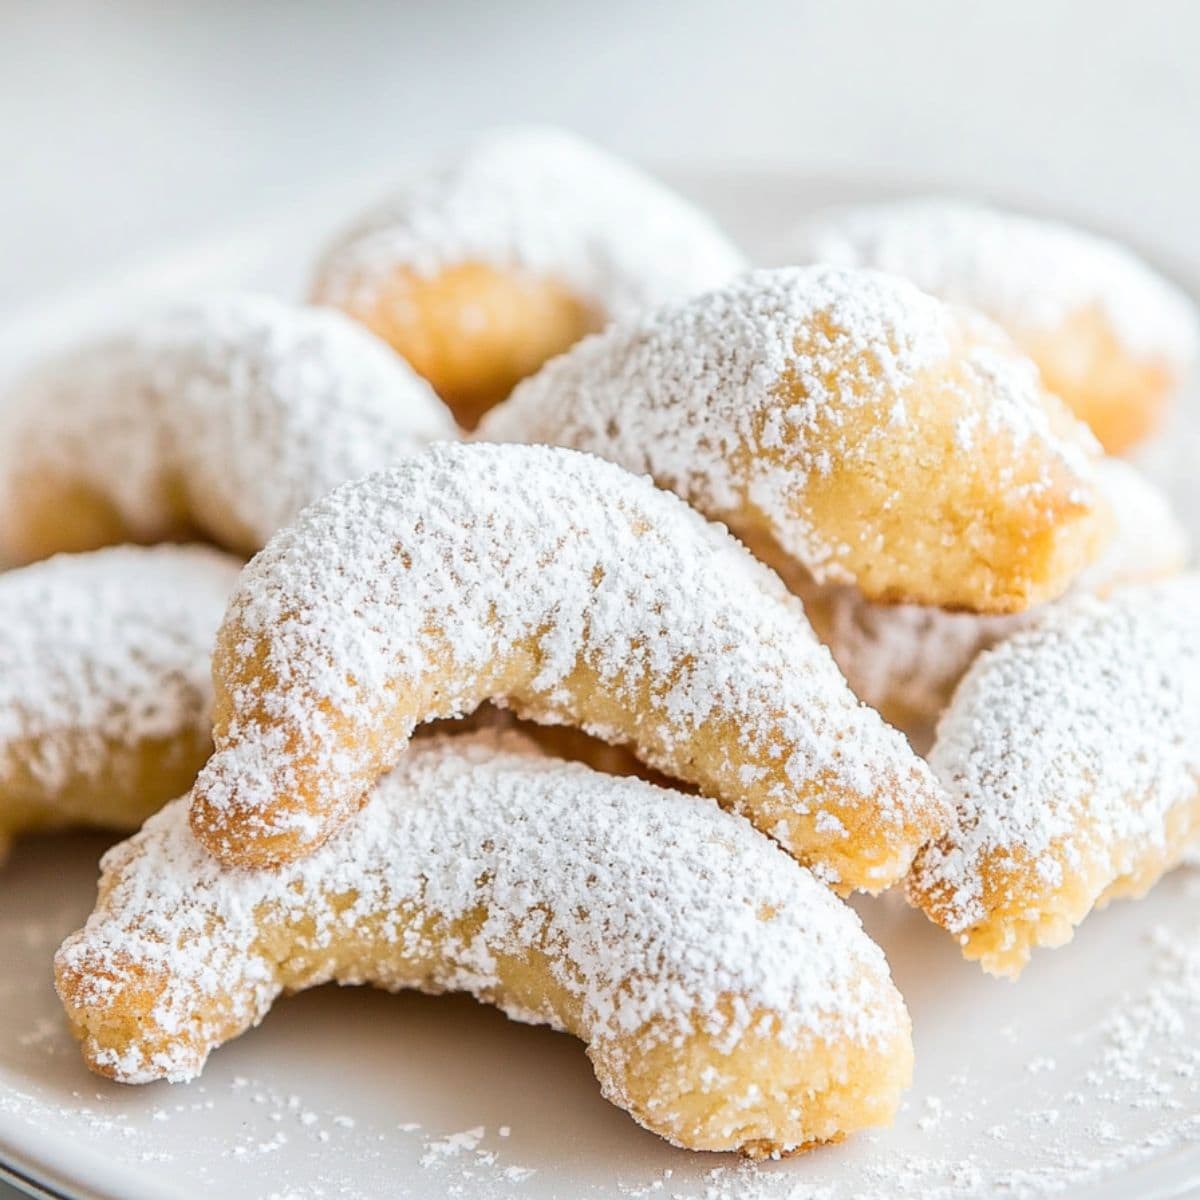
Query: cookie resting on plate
x=1071 y=756
x=106 y=687
x=729 y=1001
x=217 y=420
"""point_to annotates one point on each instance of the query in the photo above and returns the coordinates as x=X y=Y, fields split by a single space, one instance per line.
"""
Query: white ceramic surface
x=1082 y=1079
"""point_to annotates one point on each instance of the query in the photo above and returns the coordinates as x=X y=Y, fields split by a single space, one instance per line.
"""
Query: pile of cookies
x=827 y=561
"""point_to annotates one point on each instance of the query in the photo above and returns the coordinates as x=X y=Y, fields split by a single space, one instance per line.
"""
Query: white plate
x=1084 y=1077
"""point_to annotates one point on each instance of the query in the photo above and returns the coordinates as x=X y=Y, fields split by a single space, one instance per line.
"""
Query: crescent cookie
x=728 y=1000
x=905 y=659
x=581 y=595
x=480 y=271
x=106 y=695
x=1071 y=754
x=1111 y=337
x=844 y=422
x=217 y=420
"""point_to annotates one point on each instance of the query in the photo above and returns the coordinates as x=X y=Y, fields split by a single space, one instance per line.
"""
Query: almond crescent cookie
x=481 y=270
x=578 y=593
x=844 y=422
x=905 y=659
x=1110 y=337
x=105 y=692
x=728 y=1000
x=1071 y=755
x=218 y=420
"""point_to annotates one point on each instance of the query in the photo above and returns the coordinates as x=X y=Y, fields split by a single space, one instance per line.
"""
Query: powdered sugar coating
x=908 y=657
x=579 y=591
x=1078 y=732
x=700 y=395
x=660 y=915
x=224 y=416
x=540 y=201
x=1029 y=274
x=103 y=650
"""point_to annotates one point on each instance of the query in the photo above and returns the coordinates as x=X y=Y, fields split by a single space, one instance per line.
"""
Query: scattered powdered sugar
x=476 y=566
x=464 y=1153
x=647 y=904
x=453 y=1145
x=1126 y=1086
x=1030 y=275
x=1077 y=731
x=1130 y=1101
x=697 y=393
x=908 y=657
x=540 y=201
x=225 y=416
x=104 y=650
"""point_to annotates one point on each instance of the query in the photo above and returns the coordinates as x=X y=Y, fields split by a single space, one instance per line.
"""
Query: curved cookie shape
x=106 y=691
x=480 y=271
x=844 y=422
x=727 y=999
x=906 y=659
x=1070 y=753
x=583 y=595
x=218 y=420
x=1109 y=336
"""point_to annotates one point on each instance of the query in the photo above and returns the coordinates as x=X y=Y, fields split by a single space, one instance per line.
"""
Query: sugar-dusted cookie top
x=219 y=418
x=1110 y=335
x=843 y=420
x=543 y=201
x=1070 y=754
x=577 y=592
x=479 y=271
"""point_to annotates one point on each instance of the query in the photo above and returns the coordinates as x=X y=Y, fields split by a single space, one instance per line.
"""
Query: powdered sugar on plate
x=1122 y=1096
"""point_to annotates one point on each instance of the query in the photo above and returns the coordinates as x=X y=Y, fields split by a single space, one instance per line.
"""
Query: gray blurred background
x=126 y=126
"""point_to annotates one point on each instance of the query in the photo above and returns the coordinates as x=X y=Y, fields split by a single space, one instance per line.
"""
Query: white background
x=127 y=126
